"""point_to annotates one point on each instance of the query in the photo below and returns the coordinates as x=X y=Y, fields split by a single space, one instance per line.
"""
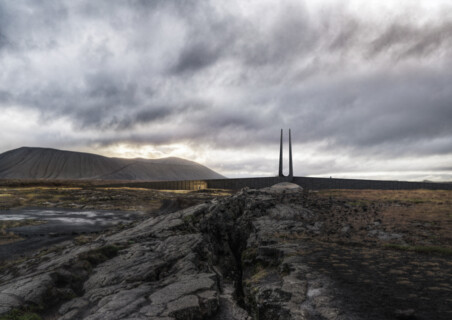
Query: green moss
x=5 y=224
x=17 y=314
x=417 y=200
x=259 y=275
x=421 y=249
x=99 y=255
x=189 y=219
x=249 y=255
x=284 y=270
x=359 y=203
x=82 y=239
x=68 y=295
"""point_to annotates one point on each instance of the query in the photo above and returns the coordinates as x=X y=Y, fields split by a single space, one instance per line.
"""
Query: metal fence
x=305 y=182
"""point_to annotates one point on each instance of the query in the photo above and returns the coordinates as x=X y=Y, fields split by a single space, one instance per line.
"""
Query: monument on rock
x=281 y=174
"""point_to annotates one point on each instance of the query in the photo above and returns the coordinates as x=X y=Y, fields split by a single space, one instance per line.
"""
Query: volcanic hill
x=44 y=163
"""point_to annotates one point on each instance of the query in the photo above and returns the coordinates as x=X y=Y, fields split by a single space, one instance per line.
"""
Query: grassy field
x=91 y=197
x=96 y=197
x=424 y=217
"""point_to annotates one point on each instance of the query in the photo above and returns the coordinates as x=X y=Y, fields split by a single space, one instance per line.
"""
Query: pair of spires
x=281 y=157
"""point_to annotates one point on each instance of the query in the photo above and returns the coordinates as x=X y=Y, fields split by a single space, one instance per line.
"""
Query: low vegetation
x=421 y=249
x=8 y=236
x=94 y=257
x=18 y=314
x=423 y=217
x=98 y=197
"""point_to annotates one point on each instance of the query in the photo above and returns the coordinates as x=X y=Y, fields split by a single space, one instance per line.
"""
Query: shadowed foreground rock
x=241 y=257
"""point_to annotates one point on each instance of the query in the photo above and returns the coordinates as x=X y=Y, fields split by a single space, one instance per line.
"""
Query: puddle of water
x=72 y=217
x=60 y=225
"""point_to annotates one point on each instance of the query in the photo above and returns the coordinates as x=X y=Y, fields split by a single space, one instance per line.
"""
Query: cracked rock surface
x=255 y=255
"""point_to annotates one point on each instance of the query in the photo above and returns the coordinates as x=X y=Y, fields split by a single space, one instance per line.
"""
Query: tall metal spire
x=290 y=156
x=281 y=174
x=281 y=156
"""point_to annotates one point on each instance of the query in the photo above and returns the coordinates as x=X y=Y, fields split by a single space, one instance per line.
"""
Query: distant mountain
x=43 y=163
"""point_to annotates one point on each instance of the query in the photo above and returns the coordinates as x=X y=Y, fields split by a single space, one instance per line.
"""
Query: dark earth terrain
x=275 y=253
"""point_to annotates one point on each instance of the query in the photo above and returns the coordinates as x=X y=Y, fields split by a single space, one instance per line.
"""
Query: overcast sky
x=365 y=86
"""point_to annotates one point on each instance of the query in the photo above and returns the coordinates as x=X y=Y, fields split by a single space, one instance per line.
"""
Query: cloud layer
x=366 y=83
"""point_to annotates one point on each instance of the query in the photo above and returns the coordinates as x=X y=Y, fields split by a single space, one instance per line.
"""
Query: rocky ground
x=275 y=253
x=77 y=195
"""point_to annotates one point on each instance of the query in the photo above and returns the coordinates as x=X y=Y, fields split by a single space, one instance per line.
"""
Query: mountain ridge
x=49 y=163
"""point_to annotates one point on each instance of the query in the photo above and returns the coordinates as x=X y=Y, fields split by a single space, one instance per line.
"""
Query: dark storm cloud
x=290 y=37
x=4 y=42
x=211 y=74
x=24 y=26
x=101 y=99
x=108 y=96
x=413 y=41
x=196 y=56
x=153 y=114
x=210 y=37
x=378 y=110
x=5 y=96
